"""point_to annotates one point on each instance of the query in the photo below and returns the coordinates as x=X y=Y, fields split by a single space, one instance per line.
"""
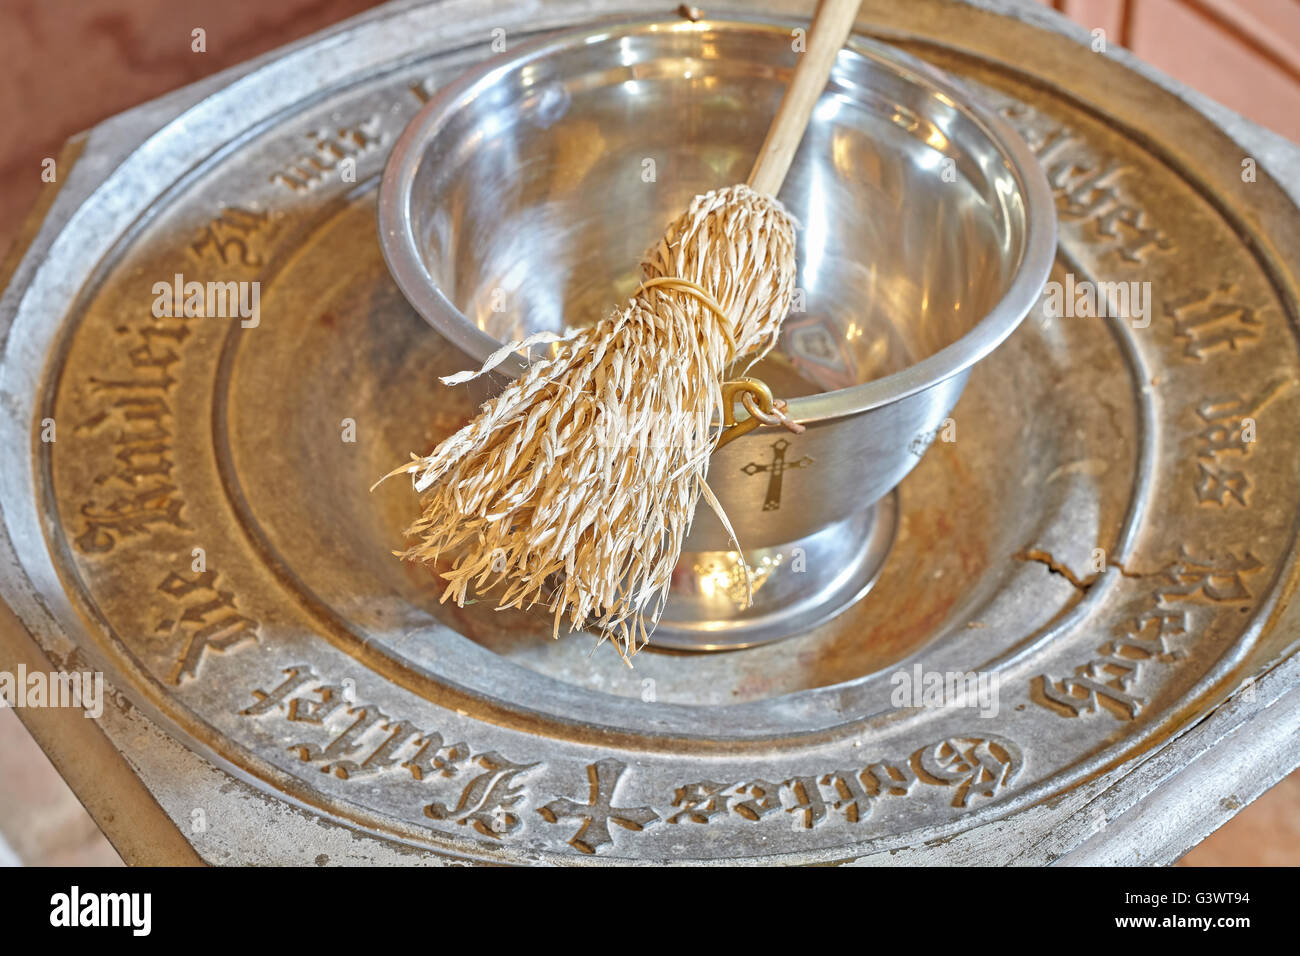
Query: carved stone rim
x=33 y=596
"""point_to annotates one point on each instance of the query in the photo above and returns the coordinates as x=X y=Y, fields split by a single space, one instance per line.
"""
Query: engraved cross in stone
x=776 y=469
x=599 y=812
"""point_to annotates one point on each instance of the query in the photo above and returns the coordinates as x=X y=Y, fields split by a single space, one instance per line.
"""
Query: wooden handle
x=830 y=29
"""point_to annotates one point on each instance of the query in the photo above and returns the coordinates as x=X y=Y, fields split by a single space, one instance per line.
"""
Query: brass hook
x=763 y=409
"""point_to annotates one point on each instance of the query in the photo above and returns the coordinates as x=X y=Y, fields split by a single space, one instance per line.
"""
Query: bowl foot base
x=796 y=586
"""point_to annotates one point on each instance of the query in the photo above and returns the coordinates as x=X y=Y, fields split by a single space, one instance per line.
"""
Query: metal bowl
x=522 y=197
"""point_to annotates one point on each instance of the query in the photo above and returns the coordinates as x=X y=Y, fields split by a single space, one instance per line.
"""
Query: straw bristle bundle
x=577 y=484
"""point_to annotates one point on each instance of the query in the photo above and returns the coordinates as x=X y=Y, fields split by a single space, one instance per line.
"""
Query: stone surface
x=576 y=795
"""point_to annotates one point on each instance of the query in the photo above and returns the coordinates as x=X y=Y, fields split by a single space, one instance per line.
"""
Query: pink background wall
x=1243 y=53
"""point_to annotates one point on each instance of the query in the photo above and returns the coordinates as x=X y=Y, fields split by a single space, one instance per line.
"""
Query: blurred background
x=72 y=63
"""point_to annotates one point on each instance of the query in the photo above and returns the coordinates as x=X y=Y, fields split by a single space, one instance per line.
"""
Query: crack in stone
x=1045 y=558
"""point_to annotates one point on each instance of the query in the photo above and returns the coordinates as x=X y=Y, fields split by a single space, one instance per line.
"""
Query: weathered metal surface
x=346 y=715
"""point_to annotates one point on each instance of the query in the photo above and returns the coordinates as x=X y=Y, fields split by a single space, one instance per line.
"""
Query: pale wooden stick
x=830 y=29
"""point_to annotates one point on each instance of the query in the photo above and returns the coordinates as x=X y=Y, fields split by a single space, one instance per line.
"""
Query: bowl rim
x=397 y=239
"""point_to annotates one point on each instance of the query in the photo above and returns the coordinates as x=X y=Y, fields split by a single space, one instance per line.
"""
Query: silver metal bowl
x=522 y=197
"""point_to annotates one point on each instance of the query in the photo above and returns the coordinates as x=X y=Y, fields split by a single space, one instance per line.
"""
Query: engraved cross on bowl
x=775 y=469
